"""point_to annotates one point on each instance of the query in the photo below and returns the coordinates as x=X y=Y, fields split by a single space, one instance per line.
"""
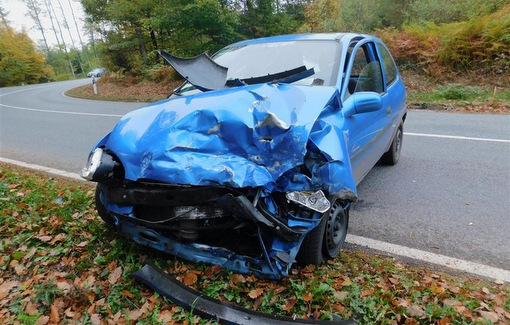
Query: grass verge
x=463 y=98
x=60 y=264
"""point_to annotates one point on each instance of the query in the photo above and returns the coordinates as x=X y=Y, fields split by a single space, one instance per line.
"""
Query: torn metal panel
x=201 y=71
x=204 y=306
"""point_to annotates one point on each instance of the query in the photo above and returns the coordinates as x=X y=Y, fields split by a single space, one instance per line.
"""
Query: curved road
x=449 y=194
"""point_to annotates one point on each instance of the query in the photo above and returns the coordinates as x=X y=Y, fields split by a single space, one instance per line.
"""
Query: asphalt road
x=447 y=195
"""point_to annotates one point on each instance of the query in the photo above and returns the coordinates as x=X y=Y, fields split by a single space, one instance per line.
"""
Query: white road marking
x=27 y=89
x=50 y=111
x=59 y=112
x=455 y=137
x=416 y=254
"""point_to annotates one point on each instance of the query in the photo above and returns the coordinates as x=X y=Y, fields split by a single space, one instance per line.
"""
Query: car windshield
x=262 y=59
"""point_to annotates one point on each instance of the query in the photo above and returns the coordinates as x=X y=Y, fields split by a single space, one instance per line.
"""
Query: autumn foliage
x=19 y=61
x=482 y=43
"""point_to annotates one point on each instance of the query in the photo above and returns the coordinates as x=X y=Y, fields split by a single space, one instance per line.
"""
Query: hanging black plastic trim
x=221 y=312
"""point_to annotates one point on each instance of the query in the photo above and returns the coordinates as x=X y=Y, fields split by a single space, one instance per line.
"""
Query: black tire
x=101 y=209
x=392 y=156
x=327 y=239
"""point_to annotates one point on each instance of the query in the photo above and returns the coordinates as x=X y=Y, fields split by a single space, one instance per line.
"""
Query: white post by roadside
x=94 y=85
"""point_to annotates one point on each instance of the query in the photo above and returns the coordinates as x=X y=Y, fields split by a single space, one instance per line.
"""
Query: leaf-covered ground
x=59 y=264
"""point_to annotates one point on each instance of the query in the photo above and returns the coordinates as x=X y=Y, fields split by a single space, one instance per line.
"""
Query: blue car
x=253 y=163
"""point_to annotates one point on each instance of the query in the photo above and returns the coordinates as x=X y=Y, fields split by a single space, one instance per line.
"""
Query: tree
x=19 y=60
x=35 y=12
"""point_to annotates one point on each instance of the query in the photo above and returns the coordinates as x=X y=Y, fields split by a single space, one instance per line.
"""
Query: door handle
x=388 y=111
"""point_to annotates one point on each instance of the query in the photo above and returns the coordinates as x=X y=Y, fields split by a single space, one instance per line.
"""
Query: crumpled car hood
x=238 y=137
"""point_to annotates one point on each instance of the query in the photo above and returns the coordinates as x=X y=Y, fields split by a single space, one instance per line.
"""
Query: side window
x=366 y=72
x=389 y=66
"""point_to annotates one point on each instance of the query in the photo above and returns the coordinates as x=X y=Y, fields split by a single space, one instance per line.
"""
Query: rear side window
x=389 y=66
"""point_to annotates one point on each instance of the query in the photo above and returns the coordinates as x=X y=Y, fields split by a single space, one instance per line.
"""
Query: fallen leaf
x=492 y=316
x=127 y=294
x=289 y=304
x=437 y=289
x=82 y=244
x=95 y=319
x=346 y=281
x=165 y=316
x=309 y=268
x=255 y=293
x=58 y=238
x=499 y=282
x=135 y=314
x=6 y=287
x=211 y=270
x=415 y=311
x=341 y=295
x=115 y=275
x=279 y=290
x=338 y=308
x=189 y=278
x=54 y=317
x=444 y=321
x=400 y=302
x=236 y=278
x=43 y=320
x=454 y=289
x=394 y=281
x=307 y=296
x=62 y=284
x=367 y=292
x=44 y=238
x=31 y=309
x=451 y=302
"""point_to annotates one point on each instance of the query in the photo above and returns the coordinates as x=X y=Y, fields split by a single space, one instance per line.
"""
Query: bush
x=459 y=92
x=482 y=43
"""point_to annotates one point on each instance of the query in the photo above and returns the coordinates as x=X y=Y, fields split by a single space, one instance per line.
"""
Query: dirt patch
x=145 y=91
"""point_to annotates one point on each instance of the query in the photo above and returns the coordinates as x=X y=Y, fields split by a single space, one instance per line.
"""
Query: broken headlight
x=100 y=166
x=315 y=201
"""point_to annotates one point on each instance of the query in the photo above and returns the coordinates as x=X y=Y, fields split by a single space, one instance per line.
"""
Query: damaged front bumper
x=244 y=230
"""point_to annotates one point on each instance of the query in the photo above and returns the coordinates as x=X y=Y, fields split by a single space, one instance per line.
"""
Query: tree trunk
x=79 y=35
x=63 y=41
x=143 y=50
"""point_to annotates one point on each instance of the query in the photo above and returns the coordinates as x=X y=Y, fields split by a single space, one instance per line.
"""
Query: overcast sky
x=17 y=15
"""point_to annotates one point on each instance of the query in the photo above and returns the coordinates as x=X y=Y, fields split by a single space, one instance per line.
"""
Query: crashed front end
x=235 y=177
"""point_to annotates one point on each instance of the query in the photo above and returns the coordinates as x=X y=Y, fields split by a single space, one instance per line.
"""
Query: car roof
x=299 y=37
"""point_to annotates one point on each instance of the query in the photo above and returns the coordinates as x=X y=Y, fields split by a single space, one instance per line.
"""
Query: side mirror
x=362 y=102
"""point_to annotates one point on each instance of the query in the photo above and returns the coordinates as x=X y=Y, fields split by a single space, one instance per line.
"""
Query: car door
x=368 y=133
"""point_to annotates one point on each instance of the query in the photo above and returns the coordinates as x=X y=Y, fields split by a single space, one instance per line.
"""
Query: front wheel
x=327 y=239
x=392 y=156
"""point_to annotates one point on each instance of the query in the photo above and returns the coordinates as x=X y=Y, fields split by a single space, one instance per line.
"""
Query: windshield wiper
x=288 y=76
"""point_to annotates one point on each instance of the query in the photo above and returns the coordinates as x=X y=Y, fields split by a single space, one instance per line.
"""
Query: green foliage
x=456 y=91
x=441 y=11
x=19 y=60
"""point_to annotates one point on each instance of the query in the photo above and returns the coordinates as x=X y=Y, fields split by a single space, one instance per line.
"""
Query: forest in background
x=431 y=36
